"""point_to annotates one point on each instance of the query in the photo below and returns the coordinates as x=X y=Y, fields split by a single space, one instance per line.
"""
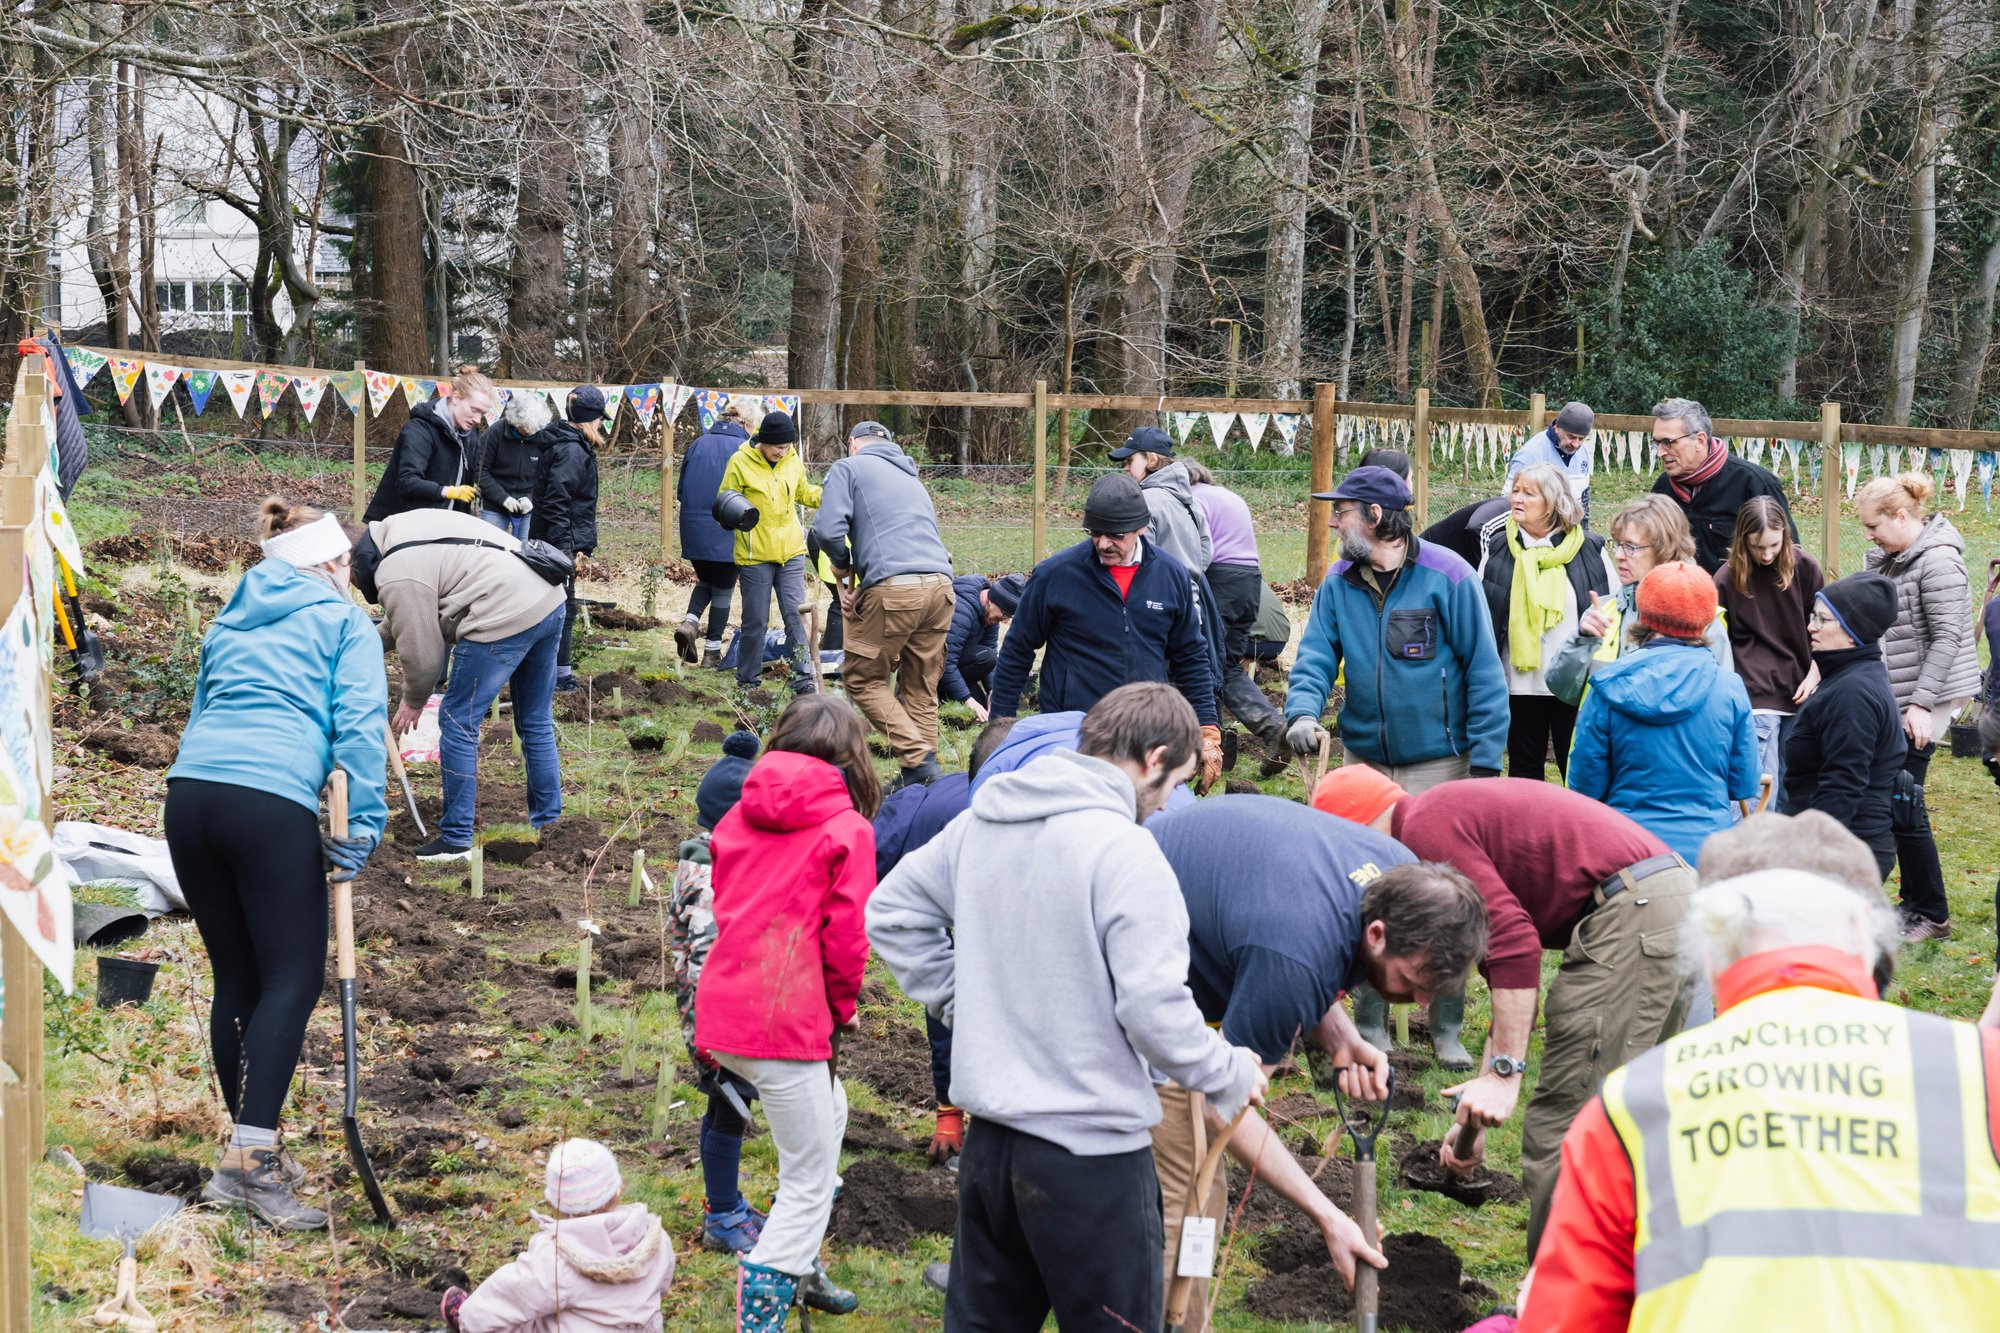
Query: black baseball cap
x=1145 y=440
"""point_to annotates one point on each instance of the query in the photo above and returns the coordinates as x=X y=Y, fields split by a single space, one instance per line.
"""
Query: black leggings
x=1923 y=892
x=249 y=864
x=1535 y=721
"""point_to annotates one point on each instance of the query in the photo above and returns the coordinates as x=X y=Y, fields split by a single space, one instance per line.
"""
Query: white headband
x=313 y=543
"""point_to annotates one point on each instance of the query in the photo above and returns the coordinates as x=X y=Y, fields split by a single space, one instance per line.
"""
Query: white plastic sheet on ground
x=100 y=854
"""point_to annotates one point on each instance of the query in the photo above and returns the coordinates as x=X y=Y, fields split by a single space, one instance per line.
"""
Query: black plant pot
x=123 y=981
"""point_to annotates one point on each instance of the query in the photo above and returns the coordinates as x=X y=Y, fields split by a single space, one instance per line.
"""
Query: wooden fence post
x=1420 y=460
x=361 y=444
x=1320 y=512
x=1538 y=407
x=1830 y=473
x=1041 y=519
x=666 y=489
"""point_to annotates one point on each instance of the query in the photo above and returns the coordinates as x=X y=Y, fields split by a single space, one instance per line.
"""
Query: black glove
x=1485 y=772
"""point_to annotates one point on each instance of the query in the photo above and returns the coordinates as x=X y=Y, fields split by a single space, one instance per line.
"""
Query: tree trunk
x=860 y=283
x=1920 y=241
x=537 y=279
x=632 y=348
x=1285 y=248
x=1975 y=339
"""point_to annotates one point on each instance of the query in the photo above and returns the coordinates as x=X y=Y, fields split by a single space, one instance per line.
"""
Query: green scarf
x=1535 y=602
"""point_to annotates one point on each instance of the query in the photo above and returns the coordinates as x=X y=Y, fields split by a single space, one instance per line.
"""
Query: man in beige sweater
x=446 y=580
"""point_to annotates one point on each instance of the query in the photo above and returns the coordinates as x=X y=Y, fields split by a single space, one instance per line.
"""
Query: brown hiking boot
x=686 y=637
x=711 y=659
x=255 y=1178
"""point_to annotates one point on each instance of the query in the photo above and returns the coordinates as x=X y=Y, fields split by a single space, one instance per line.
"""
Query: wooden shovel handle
x=343 y=890
x=1204 y=1179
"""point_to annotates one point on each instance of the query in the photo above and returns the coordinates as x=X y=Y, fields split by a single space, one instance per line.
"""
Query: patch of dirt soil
x=614 y=617
x=510 y=851
x=166 y=1175
x=868 y=1132
x=669 y=692
x=144 y=746
x=1421 y=1288
x=1418 y=1167
x=886 y=1205
x=707 y=733
x=210 y=555
x=893 y=1057
x=646 y=740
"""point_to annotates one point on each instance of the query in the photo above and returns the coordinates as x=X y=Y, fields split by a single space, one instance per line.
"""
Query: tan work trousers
x=1177 y=1161
x=1621 y=991
x=1414 y=778
x=899 y=628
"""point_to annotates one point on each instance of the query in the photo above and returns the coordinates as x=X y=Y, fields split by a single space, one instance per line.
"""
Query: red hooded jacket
x=794 y=865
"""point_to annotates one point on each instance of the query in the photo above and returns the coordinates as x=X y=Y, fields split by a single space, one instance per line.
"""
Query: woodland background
x=1758 y=203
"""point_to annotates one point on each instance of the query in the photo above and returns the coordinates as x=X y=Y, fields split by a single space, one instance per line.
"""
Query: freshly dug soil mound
x=166 y=1175
x=868 y=1132
x=1418 y=1167
x=1420 y=1288
x=894 y=1058
x=647 y=740
x=707 y=733
x=886 y=1205
x=613 y=617
x=143 y=746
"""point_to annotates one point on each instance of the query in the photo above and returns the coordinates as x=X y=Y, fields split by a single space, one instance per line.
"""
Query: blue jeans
x=514 y=525
x=527 y=662
x=1773 y=730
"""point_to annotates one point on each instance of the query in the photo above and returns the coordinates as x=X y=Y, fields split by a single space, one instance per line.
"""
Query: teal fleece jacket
x=291 y=680
x=1423 y=677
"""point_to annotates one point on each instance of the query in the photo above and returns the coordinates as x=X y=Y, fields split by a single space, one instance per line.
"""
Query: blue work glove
x=346 y=856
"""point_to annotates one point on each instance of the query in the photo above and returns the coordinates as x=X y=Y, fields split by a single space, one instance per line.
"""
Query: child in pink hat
x=598 y=1264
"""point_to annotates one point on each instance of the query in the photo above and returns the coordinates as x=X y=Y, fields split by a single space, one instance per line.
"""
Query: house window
x=239 y=298
x=470 y=347
x=170 y=295
x=190 y=213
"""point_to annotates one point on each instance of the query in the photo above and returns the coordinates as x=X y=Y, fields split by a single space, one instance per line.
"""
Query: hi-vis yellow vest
x=1812 y=1160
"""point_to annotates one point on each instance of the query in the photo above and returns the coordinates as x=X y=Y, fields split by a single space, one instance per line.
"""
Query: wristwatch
x=1506 y=1066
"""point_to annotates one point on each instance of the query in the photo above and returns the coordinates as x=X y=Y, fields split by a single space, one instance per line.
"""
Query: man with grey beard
x=1426 y=699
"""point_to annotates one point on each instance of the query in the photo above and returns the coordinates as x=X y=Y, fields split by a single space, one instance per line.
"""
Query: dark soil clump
x=707 y=733
x=646 y=740
x=613 y=617
x=1418 y=1167
x=886 y=1205
x=166 y=1175
x=894 y=1058
x=868 y=1132
x=1421 y=1288
x=670 y=692
x=510 y=851
x=143 y=746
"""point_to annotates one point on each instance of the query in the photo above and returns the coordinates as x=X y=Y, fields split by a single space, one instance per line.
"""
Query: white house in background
x=205 y=252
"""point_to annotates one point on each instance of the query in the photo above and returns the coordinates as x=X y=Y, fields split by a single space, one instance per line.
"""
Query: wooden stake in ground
x=1312 y=778
x=1197 y=1256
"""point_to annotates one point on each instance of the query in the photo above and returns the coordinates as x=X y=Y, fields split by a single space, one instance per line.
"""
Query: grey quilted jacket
x=1932 y=650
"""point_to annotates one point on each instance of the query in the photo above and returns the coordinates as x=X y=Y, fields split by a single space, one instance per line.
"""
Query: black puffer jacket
x=429 y=455
x=565 y=513
x=509 y=456
x=1847 y=746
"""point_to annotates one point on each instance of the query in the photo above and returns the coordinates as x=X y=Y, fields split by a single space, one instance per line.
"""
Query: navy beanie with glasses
x=1864 y=604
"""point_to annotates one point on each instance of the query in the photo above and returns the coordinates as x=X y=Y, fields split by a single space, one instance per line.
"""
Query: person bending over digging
x=451 y=585
x=1288 y=909
x=794 y=864
x=1054 y=1028
x=1558 y=871
x=290 y=668
x=598 y=1263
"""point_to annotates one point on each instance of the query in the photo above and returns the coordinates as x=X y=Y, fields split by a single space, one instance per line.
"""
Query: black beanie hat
x=776 y=428
x=1116 y=504
x=722 y=786
x=1865 y=605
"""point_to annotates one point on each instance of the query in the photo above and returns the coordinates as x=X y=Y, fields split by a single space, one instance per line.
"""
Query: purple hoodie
x=1232 y=536
x=601 y=1273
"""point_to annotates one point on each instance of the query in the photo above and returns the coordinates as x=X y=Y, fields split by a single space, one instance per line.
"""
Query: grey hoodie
x=1178 y=522
x=1068 y=977
x=873 y=501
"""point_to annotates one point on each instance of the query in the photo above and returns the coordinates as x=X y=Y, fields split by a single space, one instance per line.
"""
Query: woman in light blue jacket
x=291 y=683
x=1665 y=734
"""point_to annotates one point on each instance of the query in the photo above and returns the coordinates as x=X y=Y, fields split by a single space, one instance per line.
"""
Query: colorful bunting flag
x=310 y=389
x=347 y=384
x=1987 y=458
x=710 y=402
x=614 y=398
x=381 y=384
x=237 y=384
x=1254 y=426
x=1288 y=432
x=160 y=381
x=1218 y=426
x=1792 y=453
x=683 y=393
x=788 y=403
x=645 y=400
x=416 y=391
x=1961 y=473
x=124 y=374
x=1183 y=422
x=270 y=390
x=1850 y=463
x=83 y=364
x=200 y=384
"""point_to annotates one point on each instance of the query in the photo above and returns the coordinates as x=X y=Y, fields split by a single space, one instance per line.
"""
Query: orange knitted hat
x=1356 y=792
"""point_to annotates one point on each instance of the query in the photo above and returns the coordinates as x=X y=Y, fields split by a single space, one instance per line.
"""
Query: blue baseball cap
x=1145 y=440
x=1370 y=485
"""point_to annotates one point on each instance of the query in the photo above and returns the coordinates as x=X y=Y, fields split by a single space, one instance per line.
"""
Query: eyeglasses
x=1663 y=445
x=1629 y=548
x=1342 y=511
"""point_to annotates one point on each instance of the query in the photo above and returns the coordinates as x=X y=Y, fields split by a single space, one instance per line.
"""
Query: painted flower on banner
x=645 y=400
x=201 y=383
x=160 y=381
x=84 y=364
x=270 y=390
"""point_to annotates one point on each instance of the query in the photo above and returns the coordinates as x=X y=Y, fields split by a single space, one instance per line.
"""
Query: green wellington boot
x=1371 y=1015
x=1447 y=1021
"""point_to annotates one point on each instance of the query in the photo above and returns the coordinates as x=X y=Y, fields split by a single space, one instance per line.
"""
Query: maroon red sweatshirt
x=1536 y=852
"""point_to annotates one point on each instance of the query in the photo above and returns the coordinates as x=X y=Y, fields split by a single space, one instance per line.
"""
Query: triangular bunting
x=1987 y=459
x=1850 y=462
x=614 y=398
x=83 y=364
x=160 y=381
x=1288 y=432
x=788 y=403
x=416 y=391
x=201 y=383
x=1961 y=473
x=682 y=394
x=1254 y=425
x=1218 y=426
x=347 y=383
x=238 y=384
x=124 y=374
x=310 y=389
x=710 y=402
x=1183 y=422
x=270 y=390
x=381 y=384
x=645 y=400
